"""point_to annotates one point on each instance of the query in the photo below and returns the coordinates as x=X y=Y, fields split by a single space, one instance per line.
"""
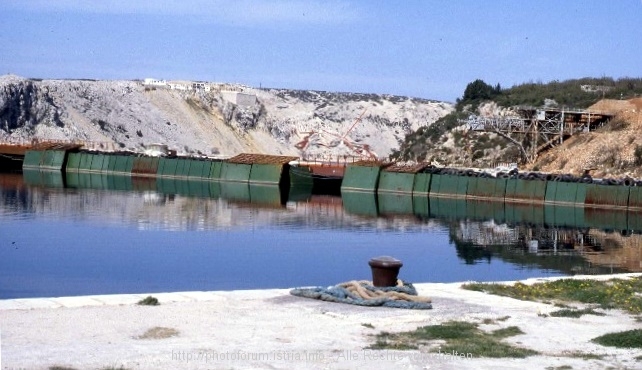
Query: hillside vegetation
x=447 y=141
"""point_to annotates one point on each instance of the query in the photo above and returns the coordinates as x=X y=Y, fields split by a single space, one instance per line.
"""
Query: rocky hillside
x=130 y=115
x=613 y=150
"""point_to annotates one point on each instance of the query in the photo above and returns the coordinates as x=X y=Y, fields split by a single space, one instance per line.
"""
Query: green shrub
x=149 y=301
x=623 y=339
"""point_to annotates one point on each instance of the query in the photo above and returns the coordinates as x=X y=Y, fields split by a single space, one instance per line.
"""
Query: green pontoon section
x=54 y=160
x=635 y=198
x=85 y=162
x=361 y=178
x=421 y=187
x=610 y=196
x=183 y=168
x=260 y=169
x=111 y=163
x=266 y=174
x=145 y=166
x=403 y=179
x=420 y=200
x=396 y=182
x=200 y=169
x=235 y=172
x=486 y=188
x=564 y=193
x=49 y=160
x=33 y=159
x=116 y=163
x=97 y=162
x=301 y=177
x=167 y=167
x=73 y=162
x=215 y=170
x=449 y=186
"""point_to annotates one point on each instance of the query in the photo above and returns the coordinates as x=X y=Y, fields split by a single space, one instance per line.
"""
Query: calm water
x=176 y=236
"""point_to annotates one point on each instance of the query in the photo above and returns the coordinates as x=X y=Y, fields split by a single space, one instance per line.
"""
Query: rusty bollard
x=385 y=270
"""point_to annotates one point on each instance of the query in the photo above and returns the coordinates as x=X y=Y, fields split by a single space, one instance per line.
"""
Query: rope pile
x=363 y=293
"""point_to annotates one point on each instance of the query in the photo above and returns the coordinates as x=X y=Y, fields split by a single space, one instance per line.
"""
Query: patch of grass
x=449 y=330
x=148 y=301
x=58 y=367
x=510 y=331
x=563 y=367
x=622 y=339
x=575 y=313
x=614 y=293
x=386 y=340
x=368 y=325
x=494 y=321
x=582 y=355
x=461 y=337
x=158 y=332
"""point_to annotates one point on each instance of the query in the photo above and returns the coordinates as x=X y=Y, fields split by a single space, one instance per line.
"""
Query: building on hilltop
x=179 y=85
x=154 y=82
x=239 y=98
x=596 y=88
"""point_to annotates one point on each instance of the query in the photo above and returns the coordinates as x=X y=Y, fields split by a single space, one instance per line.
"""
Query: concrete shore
x=270 y=329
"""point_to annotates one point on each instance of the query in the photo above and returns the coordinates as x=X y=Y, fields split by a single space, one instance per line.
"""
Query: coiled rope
x=363 y=293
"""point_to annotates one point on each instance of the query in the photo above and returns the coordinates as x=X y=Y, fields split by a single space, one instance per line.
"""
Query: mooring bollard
x=385 y=270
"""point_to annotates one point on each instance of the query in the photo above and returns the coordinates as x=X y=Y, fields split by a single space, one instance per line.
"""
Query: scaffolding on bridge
x=537 y=129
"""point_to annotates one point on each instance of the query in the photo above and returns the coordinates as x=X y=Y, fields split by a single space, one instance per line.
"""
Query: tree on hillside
x=476 y=92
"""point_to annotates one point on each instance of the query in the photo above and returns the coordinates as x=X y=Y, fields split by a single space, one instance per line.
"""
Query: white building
x=179 y=86
x=154 y=82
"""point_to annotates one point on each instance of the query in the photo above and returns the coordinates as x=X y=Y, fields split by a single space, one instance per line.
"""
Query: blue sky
x=427 y=49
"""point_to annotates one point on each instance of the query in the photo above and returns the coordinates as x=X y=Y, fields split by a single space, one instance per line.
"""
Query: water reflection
x=93 y=233
x=574 y=251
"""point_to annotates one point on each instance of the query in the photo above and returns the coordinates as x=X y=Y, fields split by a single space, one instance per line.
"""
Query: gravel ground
x=270 y=329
